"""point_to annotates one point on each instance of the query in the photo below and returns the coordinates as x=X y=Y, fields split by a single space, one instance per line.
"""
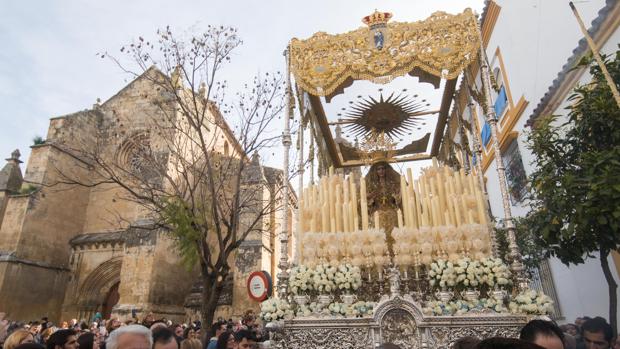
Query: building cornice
x=603 y=26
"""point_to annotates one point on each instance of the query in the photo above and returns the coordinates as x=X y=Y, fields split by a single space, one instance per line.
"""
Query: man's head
x=130 y=337
x=63 y=339
x=163 y=338
x=245 y=339
x=544 y=333
x=596 y=333
x=218 y=328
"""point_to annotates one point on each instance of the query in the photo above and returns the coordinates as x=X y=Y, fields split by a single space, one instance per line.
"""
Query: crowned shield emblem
x=377 y=22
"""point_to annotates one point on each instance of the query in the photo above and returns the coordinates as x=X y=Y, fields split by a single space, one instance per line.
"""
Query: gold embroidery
x=442 y=45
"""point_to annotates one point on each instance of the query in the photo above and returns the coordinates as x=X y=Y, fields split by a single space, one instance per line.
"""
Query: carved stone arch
x=398 y=320
x=398 y=302
x=96 y=286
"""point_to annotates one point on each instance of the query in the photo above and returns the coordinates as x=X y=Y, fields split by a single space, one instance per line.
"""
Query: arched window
x=226 y=149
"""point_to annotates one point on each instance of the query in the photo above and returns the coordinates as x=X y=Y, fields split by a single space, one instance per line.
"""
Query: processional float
x=385 y=257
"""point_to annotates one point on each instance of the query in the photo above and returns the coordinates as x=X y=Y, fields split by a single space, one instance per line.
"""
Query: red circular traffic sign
x=259 y=286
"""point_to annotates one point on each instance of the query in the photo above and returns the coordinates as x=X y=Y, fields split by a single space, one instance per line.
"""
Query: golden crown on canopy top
x=377 y=19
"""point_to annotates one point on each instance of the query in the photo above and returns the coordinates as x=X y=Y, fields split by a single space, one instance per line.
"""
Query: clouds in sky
x=49 y=66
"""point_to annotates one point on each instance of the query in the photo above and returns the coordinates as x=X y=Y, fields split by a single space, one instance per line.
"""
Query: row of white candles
x=413 y=247
x=439 y=197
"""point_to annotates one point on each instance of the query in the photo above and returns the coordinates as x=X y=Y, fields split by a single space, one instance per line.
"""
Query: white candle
x=363 y=207
x=377 y=223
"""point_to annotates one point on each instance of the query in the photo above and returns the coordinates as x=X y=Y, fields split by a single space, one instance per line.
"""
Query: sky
x=49 y=65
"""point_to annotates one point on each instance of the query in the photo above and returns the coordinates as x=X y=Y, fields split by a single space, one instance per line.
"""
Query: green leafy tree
x=527 y=240
x=576 y=184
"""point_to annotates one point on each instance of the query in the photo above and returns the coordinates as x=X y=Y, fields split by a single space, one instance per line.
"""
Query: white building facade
x=531 y=46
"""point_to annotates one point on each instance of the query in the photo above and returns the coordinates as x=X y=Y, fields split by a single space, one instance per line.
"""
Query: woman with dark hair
x=189 y=333
x=226 y=341
x=88 y=340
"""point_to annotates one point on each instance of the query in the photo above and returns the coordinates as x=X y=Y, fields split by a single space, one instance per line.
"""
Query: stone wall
x=28 y=292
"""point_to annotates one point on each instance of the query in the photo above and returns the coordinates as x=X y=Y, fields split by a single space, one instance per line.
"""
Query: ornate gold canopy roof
x=442 y=45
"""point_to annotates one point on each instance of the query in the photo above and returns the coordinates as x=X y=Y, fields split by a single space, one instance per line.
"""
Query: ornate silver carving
x=329 y=338
x=397 y=320
x=399 y=327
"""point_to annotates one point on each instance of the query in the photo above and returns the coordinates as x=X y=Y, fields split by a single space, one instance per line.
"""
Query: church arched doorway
x=99 y=290
x=110 y=301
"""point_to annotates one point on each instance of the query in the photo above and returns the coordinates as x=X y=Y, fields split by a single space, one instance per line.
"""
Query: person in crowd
x=571 y=329
x=94 y=327
x=506 y=343
x=544 y=333
x=63 y=339
x=148 y=320
x=64 y=325
x=88 y=340
x=245 y=339
x=569 y=342
x=466 y=343
x=163 y=338
x=190 y=333
x=112 y=324
x=158 y=324
x=45 y=335
x=35 y=329
x=191 y=343
x=596 y=334
x=177 y=329
x=217 y=329
x=18 y=337
x=616 y=343
x=130 y=337
x=226 y=340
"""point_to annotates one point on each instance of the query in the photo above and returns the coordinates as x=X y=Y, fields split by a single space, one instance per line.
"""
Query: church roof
x=568 y=69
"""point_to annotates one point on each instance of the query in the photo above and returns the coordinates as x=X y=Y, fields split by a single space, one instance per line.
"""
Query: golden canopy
x=442 y=45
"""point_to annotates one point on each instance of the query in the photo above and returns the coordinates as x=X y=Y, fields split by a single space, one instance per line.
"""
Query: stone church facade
x=65 y=254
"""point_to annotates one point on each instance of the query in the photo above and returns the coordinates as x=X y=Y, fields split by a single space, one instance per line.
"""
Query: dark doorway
x=110 y=301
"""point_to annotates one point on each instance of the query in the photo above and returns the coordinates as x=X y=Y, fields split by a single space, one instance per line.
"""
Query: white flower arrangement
x=348 y=277
x=306 y=310
x=323 y=278
x=442 y=274
x=462 y=307
x=466 y=273
x=301 y=280
x=531 y=302
x=495 y=272
x=275 y=309
x=359 y=309
x=493 y=304
x=438 y=308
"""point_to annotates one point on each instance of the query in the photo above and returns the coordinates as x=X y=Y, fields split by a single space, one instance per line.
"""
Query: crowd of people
x=585 y=333
x=149 y=333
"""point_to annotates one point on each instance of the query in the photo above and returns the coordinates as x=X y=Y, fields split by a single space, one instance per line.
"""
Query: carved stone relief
x=399 y=327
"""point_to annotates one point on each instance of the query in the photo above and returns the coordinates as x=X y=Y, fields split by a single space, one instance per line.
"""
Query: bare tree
x=188 y=171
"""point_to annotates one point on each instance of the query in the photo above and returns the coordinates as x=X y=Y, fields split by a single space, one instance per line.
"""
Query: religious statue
x=384 y=196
